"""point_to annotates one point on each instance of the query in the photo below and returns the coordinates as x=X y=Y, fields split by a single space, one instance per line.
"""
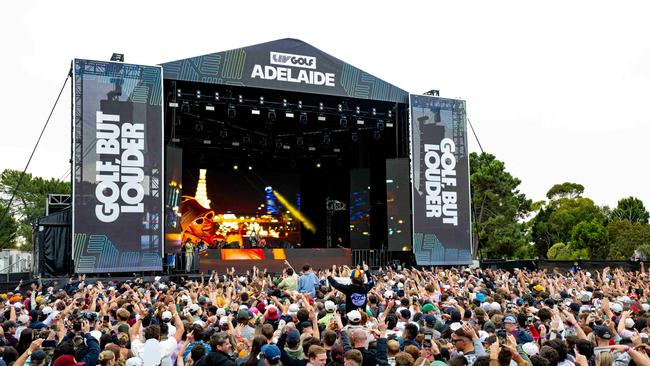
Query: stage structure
x=274 y=151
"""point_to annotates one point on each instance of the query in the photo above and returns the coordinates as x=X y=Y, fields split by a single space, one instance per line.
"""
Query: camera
x=427 y=340
x=502 y=335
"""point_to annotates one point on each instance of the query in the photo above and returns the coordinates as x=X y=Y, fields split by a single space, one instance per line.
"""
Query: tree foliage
x=497 y=208
x=593 y=237
x=554 y=222
x=632 y=210
x=625 y=237
x=8 y=229
x=29 y=204
x=565 y=190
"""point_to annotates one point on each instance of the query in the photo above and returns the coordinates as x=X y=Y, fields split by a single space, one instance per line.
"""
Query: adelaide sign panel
x=440 y=181
x=118 y=164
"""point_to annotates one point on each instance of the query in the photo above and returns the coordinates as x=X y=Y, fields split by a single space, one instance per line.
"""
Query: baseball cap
x=22 y=320
x=616 y=307
x=330 y=306
x=194 y=308
x=427 y=308
x=293 y=309
x=429 y=320
x=388 y=294
x=271 y=313
x=480 y=297
x=354 y=316
x=166 y=315
x=243 y=314
x=133 y=361
x=293 y=336
x=602 y=332
x=530 y=348
x=509 y=318
x=271 y=352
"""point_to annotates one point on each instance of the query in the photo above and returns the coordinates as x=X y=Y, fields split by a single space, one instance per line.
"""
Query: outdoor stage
x=277 y=145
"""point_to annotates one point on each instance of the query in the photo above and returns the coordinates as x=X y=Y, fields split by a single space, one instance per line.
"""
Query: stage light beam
x=295 y=212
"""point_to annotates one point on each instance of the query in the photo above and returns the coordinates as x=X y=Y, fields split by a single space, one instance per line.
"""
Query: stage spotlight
x=284 y=103
x=235 y=167
x=374 y=112
x=255 y=112
x=321 y=118
x=377 y=135
x=360 y=122
x=303 y=118
x=240 y=98
x=250 y=167
x=198 y=94
x=209 y=108
x=320 y=106
x=286 y=147
x=389 y=124
x=354 y=136
x=271 y=115
x=216 y=95
x=207 y=142
x=340 y=108
x=343 y=122
x=231 y=111
x=261 y=100
x=390 y=113
x=358 y=110
x=300 y=104
x=311 y=148
x=317 y=165
x=380 y=125
x=289 y=114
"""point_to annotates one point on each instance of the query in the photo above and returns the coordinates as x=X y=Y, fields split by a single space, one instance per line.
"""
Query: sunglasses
x=201 y=220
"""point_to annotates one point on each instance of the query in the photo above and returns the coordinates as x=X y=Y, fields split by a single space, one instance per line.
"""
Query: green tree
x=554 y=222
x=564 y=252
x=497 y=208
x=565 y=190
x=29 y=204
x=631 y=209
x=593 y=237
x=625 y=237
x=8 y=229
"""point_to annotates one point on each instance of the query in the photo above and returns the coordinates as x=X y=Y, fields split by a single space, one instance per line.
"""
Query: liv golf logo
x=284 y=71
x=287 y=59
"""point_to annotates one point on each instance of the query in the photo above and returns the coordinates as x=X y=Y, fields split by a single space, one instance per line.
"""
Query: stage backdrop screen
x=118 y=162
x=440 y=179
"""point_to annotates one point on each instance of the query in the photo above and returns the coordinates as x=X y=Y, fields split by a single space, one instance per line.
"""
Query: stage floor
x=272 y=259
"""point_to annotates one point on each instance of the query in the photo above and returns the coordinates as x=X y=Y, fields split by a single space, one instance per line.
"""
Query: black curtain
x=55 y=244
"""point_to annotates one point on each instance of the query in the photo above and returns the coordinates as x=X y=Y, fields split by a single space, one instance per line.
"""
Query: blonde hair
x=105 y=357
x=604 y=359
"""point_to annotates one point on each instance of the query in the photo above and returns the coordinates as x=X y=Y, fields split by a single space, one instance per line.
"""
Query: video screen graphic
x=241 y=208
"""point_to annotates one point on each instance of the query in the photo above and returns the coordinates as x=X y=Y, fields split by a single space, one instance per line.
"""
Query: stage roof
x=284 y=64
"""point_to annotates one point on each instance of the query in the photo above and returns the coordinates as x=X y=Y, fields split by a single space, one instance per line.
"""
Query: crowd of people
x=335 y=317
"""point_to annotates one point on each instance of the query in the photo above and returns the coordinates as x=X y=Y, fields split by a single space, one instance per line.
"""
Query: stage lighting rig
x=374 y=112
x=358 y=110
x=216 y=96
x=198 y=94
x=284 y=103
x=340 y=108
x=240 y=98
x=262 y=100
x=300 y=104
x=320 y=106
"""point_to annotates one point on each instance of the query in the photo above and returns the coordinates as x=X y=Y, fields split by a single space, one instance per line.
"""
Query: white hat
x=330 y=306
x=391 y=283
x=495 y=306
x=388 y=294
x=47 y=310
x=194 y=308
x=184 y=297
x=585 y=308
x=629 y=323
x=133 y=361
x=486 y=306
x=18 y=305
x=455 y=326
x=646 y=307
x=221 y=312
x=530 y=348
x=400 y=285
x=166 y=315
x=156 y=279
x=293 y=309
x=625 y=299
x=354 y=316
x=616 y=307
x=483 y=335
x=223 y=321
x=23 y=320
x=243 y=307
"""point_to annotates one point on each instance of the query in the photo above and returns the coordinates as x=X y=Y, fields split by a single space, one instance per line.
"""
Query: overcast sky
x=560 y=91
